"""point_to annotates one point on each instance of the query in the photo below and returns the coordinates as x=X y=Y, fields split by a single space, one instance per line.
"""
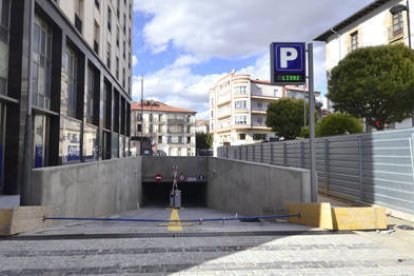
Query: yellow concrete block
x=359 y=218
x=312 y=214
x=22 y=219
x=6 y=217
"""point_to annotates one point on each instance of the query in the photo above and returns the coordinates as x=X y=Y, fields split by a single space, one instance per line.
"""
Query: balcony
x=176 y=121
x=78 y=23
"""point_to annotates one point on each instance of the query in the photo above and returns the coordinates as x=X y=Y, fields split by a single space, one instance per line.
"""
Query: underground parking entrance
x=157 y=194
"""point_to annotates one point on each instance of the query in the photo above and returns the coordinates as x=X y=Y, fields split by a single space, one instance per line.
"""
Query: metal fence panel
x=374 y=167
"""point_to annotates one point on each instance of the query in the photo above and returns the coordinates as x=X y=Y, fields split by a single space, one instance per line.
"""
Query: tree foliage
x=338 y=124
x=285 y=117
x=204 y=140
x=376 y=83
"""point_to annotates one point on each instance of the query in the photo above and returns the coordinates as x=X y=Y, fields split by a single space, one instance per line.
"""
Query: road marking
x=175 y=224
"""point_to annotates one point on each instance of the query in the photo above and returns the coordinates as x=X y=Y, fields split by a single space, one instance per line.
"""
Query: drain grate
x=405 y=227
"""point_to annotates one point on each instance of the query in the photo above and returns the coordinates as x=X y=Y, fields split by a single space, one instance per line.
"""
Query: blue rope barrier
x=167 y=220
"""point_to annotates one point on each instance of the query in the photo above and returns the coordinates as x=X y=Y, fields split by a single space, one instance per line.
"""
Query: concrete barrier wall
x=249 y=188
x=88 y=189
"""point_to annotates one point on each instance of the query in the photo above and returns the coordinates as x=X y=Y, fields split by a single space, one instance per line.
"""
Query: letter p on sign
x=287 y=63
x=287 y=54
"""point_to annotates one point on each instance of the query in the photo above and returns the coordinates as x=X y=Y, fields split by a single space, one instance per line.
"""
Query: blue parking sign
x=288 y=63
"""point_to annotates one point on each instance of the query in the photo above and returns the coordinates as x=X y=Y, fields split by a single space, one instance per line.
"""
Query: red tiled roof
x=156 y=106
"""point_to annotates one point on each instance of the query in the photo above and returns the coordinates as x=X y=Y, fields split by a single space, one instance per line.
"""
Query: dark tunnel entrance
x=193 y=194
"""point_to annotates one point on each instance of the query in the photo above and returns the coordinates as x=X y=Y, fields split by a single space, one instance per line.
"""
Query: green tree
x=376 y=83
x=204 y=140
x=285 y=117
x=338 y=124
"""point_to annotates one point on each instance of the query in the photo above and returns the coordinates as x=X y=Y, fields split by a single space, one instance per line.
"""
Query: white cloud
x=229 y=29
x=234 y=28
x=134 y=60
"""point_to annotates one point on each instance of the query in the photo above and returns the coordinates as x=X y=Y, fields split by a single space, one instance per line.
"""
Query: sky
x=182 y=47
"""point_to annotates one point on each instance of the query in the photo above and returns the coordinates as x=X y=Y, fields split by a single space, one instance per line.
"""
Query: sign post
x=288 y=66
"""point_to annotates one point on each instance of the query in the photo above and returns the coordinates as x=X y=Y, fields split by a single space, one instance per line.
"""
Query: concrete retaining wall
x=111 y=186
x=88 y=189
x=249 y=188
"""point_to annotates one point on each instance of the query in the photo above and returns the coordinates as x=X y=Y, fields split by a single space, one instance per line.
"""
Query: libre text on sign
x=288 y=63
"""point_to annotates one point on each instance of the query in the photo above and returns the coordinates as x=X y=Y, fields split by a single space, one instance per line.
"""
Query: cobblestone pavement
x=140 y=251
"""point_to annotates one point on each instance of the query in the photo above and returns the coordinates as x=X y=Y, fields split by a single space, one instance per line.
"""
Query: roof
x=359 y=14
x=156 y=106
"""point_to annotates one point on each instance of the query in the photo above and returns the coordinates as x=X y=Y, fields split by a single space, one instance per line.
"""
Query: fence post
x=361 y=182
x=240 y=152
x=285 y=154
x=327 y=169
x=246 y=157
x=253 y=153
x=261 y=153
x=302 y=154
x=271 y=153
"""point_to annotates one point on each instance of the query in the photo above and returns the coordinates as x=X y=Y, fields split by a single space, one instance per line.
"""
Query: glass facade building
x=74 y=108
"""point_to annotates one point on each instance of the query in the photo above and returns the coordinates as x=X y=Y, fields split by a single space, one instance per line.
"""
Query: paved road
x=236 y=248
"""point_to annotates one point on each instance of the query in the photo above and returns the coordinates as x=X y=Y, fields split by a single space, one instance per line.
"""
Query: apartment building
x=65 y=84
x=379 y=23
x=202 y=126
x=238 y=106
x=170 y=130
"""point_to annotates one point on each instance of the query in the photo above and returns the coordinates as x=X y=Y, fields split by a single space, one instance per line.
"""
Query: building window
x=240 y=104
x=78 y=15
x=240 y=90
x=354 y=41
x=109 y=19
x=397 y=24
x=240 y=120
x=96 y=38
x=69 y=83
x=188 y=140
x=117 y=68
x=159 y=139
x=90 y=142
x=4 y=20
x=257 y=137
x=106 y=112
x=242 y=136
x=69 y=148
x=115 y=145
x=4 y=44
x=89 y=95
x=42 y=64
x=108 y=55
x=41 y=134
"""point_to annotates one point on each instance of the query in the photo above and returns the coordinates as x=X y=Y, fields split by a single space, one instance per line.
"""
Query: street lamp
x=396 y=10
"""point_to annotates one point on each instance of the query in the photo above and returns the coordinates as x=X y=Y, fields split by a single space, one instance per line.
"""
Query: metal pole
x=314 y=182
x=142 y=114
x=409 y=46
